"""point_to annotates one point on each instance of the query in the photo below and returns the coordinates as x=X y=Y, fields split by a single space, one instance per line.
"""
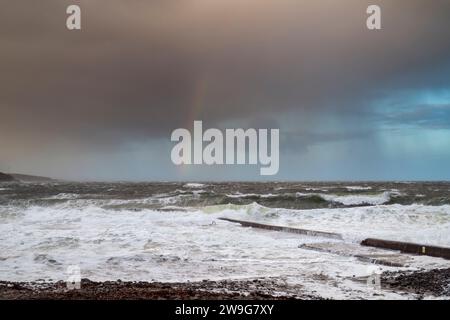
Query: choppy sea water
x=171 y=231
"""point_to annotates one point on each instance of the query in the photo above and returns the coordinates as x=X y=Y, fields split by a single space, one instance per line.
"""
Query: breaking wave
x=349 y=200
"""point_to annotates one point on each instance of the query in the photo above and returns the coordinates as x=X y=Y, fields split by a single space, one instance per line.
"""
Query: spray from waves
x=254 y=210
x=410 y=223
x=194 y=185
x=389 y=221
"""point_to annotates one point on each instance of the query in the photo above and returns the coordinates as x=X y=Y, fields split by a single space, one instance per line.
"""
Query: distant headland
x=9 y=177
x=6 y=177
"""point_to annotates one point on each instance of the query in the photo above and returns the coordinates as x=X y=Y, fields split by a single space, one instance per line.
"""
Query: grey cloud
x=423 y=116
x=139 y=69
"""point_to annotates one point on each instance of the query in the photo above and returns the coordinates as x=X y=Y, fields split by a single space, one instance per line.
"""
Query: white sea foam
x=316 y=189
x=249 y=195
x=194 y=185
x=180 y=245
x=375 y=199
x=63 y=196
x=352 y=188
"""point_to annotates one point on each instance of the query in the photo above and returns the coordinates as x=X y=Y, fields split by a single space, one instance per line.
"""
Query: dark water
x=292 y=195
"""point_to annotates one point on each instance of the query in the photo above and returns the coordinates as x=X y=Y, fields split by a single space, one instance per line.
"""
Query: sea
x=172 y=231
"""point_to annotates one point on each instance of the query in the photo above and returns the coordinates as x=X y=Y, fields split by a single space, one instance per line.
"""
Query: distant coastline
x=6 y=177
x=10 y=177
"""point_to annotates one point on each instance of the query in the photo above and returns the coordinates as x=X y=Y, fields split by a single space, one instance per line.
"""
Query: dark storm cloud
x=139 y=69
x=300 y=140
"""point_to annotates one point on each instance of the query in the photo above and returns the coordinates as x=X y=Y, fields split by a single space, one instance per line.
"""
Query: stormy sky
x=101 y=103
